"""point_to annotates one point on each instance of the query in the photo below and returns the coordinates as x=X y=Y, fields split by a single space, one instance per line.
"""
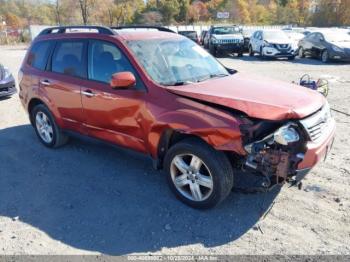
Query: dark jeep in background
x=224 y=39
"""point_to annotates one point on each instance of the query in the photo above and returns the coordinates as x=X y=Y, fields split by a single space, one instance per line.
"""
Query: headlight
x=214 y=40
x=267 y=44
x=327 y=110
x=337 y=49
x=286 y=135
x=7 y=73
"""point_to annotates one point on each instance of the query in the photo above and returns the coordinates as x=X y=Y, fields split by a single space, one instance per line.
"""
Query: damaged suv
x=161 y=94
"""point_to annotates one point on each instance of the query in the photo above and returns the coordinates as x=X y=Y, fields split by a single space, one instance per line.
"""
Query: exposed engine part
x=277 y=155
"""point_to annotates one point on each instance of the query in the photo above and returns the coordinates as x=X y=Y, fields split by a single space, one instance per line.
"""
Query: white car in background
x=272 y=43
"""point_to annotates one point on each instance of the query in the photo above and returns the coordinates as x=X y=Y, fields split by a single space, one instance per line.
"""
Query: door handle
x=88 y=93
x=45 y=82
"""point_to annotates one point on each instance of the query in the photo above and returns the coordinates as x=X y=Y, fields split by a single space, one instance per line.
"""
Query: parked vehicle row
x=325 y=44
x=161 y=94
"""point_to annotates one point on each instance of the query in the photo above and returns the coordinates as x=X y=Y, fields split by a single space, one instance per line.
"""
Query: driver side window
x=106 y=59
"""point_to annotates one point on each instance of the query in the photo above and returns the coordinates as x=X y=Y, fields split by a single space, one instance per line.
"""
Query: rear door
x=115 y=115
x=34 y=68
x=67 y=70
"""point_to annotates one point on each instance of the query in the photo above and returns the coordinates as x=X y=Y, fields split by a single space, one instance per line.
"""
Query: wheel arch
x=37 y=101
x=170 y=137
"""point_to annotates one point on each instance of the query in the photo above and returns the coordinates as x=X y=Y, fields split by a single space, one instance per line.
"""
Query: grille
x=283 y=47
x=229 y=41
x=4 y=89
x=318 y=124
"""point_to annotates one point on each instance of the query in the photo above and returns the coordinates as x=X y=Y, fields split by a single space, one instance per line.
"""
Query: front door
x=114 y=115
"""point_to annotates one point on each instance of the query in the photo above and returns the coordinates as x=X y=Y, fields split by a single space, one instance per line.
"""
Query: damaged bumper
x=280 y=159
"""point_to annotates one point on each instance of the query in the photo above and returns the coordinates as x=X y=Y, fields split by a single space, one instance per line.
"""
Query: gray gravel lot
x=89 y=198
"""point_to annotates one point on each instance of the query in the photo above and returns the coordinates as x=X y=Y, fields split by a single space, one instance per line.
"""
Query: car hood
x=279 y=41
x=257 y=97
x=228 y=36
x=342 y=44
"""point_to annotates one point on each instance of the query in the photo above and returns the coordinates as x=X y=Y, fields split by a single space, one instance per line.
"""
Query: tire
x=301 y=53
x=261 y=53
x=48 y=133
x=251 y=52
x=325 y=56
x=212 y=50
x=215 y=167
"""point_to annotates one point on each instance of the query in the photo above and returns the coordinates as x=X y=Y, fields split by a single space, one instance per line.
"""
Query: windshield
x=275 y=35
x=226 y=30
x=191 y=34
x=176 y=61
x=336 y=37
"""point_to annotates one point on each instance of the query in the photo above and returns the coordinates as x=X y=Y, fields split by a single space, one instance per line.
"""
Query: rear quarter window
x=39 y=53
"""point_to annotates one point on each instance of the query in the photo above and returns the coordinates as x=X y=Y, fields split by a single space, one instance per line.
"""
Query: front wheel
x=212 y=50
x=261 y=54
x=251 y=52
x=199 y=176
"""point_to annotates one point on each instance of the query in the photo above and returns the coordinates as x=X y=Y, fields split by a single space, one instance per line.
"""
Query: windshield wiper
x=179 y=83
x=211 y=76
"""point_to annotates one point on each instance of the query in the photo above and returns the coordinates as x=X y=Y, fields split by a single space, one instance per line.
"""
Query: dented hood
x=258 y=97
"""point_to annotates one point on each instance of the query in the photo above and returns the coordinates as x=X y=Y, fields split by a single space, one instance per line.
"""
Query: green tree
x=169 y=9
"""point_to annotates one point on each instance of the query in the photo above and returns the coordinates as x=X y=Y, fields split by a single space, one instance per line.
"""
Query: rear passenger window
x=68 y=58
x=38 y=54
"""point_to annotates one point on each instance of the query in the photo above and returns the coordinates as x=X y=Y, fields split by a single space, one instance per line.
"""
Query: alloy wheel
x=44 y=127
x=191 y=177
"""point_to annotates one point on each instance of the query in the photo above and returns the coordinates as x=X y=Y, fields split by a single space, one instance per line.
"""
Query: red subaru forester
x=161 y=94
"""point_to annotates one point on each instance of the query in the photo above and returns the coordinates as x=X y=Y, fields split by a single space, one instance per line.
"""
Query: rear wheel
x=301 y=53
x=46 y=128
x=199 y=176
x=325 y=56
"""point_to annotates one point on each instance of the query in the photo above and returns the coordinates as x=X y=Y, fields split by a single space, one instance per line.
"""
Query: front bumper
x=7 y=87
x=232 y=47
x=340 y=56
x=317 y=152
x=273 y=52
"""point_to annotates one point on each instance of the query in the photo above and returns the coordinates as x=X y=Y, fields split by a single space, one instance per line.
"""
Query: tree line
x=18 y=14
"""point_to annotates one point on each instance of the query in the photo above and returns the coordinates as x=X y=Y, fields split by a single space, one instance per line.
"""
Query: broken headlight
x=286 y=134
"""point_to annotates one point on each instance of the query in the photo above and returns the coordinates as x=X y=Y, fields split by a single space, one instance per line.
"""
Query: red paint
x=138 y=119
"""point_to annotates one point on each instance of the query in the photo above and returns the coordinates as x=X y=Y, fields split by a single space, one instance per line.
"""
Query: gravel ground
x=87 y=198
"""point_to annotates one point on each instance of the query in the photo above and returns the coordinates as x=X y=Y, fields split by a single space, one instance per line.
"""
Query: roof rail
x=159 y=28
x=63 y=29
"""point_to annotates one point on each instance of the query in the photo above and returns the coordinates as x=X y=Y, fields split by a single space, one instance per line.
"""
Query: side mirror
x=123 y=80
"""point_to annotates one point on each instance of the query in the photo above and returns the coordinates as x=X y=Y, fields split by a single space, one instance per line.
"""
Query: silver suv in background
x=272 y=43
